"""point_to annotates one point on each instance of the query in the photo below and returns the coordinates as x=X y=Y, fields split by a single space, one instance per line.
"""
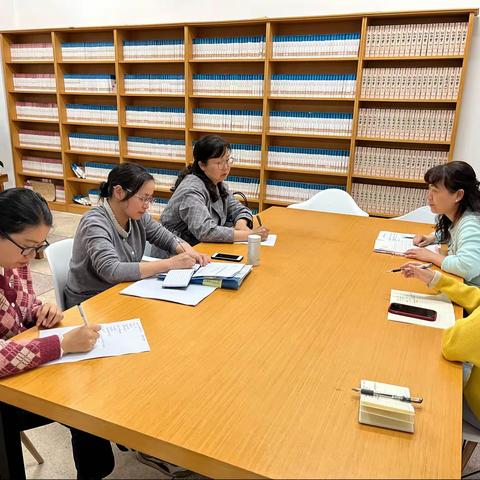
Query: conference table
x=258 y=382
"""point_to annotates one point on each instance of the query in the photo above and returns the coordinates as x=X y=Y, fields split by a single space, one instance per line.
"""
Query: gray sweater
x=102 y=258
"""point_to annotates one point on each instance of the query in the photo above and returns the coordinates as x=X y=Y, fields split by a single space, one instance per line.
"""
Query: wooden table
x=257 y=382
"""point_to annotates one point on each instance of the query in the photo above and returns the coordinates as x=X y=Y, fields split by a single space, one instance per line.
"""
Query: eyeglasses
x=225 y=163
x=145 y=200
x=26 y=251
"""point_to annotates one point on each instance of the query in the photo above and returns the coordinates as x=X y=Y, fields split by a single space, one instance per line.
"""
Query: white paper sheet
x=152 y=288
x=397 y=243
x=219 y=270
x=269 y=242
x=116 y=338
x=440 y=303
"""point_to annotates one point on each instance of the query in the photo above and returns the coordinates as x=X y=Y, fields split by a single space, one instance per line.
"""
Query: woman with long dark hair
x=110 y=239
x=454 y=195
x=201 y=208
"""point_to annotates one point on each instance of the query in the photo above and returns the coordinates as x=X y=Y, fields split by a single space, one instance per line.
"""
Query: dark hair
x=22 y=208
x=129 y=176
x=210 y=146
x=455 y=176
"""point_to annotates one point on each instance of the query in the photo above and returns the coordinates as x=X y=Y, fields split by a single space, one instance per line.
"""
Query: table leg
x=11 y=456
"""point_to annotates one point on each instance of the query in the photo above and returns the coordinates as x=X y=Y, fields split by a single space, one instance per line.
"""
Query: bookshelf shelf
x=281 y=52
x=88 y=181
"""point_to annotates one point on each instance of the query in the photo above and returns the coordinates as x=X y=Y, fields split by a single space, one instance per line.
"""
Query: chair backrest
x=419 y=215
x=470 y=433
x=58 y=255
x=331 y=200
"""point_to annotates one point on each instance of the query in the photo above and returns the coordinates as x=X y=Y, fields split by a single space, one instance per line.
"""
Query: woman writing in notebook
x=24 y=225
x=453 y=194
x=110 y=239
x=201 y=208
x=460 y=342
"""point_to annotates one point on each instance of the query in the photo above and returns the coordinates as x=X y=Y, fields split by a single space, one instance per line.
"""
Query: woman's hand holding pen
x=200 y=258
x=423 y=240
x=183 y=260
x=80 y=339
x=262 y=231
x=413 y=270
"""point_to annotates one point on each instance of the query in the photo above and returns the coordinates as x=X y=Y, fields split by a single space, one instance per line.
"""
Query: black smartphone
x=412 y=311
x=227 y=256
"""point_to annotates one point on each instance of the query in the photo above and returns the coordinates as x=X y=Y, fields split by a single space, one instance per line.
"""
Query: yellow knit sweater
x=462 y=341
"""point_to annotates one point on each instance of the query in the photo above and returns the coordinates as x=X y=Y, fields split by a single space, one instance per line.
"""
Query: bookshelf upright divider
x=361 y=102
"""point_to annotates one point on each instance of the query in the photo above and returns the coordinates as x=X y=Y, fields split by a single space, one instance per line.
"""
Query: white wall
x=25 y=14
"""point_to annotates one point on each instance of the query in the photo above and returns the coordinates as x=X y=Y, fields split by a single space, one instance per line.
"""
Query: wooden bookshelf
x=267 y=64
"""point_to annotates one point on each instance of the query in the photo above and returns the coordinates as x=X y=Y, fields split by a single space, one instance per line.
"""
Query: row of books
x=336 y=45
x=312 y=123
x=226 y=84
x=408 y=124
x=163 y=178
x=79 y=112
x=155 y=116
x=88 y=51
x=75 y=82
x=38 y=138
x=156 y=147
x=96 y=171
x=246 y=154
x=231 y=47
x=388 y=200
x=225 y=120
x=158 y=206
x=94 y=143
x=34 y=164
x=34 y=81
x=59 y=188
x=249 y=186
x=416 y=39
x=396 y=162
x=440 y=83
x=35 y=110
x=323 y=85
x=155 y=83
x=164 y=49
x=293 y=192
x=313 y=159
x=31 y=51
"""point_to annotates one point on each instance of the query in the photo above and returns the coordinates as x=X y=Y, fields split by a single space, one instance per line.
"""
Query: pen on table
x=373 y=393
x=423 y=266
x=259 y=220
x=82 y=313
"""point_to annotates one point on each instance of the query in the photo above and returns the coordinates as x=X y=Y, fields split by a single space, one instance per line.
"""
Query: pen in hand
x=82 y=313
x=180 y=244
x=373 y=393
x=423 y=267
x=259 y=220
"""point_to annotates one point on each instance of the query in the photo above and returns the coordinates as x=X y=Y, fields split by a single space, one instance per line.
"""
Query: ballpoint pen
x=82 y=313
x=402 y=398
x=259 y=220
x=423 y=267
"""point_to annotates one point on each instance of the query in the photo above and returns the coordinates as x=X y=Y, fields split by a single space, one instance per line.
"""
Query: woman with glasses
x=24 y=225
x=110 y=239
x=201 y=208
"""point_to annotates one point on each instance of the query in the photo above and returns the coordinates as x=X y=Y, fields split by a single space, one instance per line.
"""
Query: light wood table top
x=257 y=382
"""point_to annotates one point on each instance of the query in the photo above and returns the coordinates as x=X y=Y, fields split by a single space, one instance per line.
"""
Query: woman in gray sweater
x=110 y=239
x=201 y=208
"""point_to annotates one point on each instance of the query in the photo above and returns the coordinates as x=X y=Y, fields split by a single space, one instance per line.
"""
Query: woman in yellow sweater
x=461 y=342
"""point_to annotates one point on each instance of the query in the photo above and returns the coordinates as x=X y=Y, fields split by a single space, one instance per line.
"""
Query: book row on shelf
x=34 y=81
x=246 y=154
x=217 y=47
x=292 y=192
x=315 y=123
x=35 y=110
x=98 y=82
x=170 y=48
x=416 y=39
x=396 y=162
x=324 y=85
x=59 y=189
x=155 y=116
x=409 y=124
x=78 y=112
x=156 y=147
x=88 y=51
x=94 y=143
x=335 y=45
x=31 y=51
x=226 y=84
x=432 y=83
x=386 y=200
x=34 y=164
x=155 y=83
x=314 y=159
x=250 y=187
x=38 y=138
x=224 y=119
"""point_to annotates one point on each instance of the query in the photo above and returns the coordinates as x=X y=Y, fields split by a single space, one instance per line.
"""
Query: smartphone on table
x=227 y=256
x=412 y=311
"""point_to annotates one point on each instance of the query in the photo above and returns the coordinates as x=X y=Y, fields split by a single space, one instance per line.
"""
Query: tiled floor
x=53 y=441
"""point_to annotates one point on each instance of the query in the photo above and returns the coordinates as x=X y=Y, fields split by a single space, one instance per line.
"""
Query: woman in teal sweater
x=453 y=194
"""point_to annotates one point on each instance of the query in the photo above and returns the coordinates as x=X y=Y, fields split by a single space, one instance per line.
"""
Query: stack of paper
x=397 y=243
x=386 y=412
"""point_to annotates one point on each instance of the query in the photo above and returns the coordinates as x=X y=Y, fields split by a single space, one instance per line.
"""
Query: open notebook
x=397 y=243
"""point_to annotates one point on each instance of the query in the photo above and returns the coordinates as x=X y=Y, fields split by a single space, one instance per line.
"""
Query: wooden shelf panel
x=403 y=140
x=89 y=181
x=36 y=120
x=407 y=100
x=95 y=94
x=91 y=124
x=442 y=57
x=154 y=95
x=153 y=127
x=312 y=99
x=86 y=62
x=308 y=135
x=31 y=90
x=418 y=181
x=228 y=97
x=149 y=61
x=282 y=203
x=308 y=172
x=227 y=60
x=46 y=149
x=314 y=59
x=30 y=62
x=154 y=159
x=93 y=153
x=52 y=176
x=218 y=130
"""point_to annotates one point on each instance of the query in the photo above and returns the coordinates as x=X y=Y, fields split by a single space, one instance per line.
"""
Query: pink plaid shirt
x=18 y=311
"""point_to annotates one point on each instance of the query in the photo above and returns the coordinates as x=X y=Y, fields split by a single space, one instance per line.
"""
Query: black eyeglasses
x=26 y=251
